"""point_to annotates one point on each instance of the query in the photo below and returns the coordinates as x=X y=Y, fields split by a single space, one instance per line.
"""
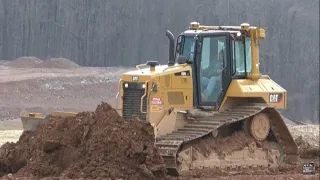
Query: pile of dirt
x=25 y=62
x=91 y=145
x=306 y=150
x=60 y=63
x=310 y=133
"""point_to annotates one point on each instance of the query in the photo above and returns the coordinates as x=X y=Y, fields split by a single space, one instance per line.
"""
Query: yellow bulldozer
x=210 y=89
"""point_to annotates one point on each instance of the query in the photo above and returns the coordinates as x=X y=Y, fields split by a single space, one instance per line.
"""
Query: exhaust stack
x=170 y=36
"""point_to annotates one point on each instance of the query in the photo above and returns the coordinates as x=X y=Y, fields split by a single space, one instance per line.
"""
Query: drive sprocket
x=260 y=126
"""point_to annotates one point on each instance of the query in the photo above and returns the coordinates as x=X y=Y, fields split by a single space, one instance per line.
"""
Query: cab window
x=242 y=57
x=188 y=47
x=205 y=55
x=213 y=60
x=210 y=52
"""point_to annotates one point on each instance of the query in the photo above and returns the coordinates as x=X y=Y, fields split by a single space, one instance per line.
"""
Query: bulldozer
x=210 y=89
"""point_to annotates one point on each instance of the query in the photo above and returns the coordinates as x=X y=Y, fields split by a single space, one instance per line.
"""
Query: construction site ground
x=30 y=84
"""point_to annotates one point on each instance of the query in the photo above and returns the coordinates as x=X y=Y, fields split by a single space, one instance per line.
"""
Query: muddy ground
x=44 y=87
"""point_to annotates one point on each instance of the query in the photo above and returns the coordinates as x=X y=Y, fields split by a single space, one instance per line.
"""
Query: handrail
x=169 y=67
x=265 y=76
x=139 y=65
x=144 y=95
x=117 y=96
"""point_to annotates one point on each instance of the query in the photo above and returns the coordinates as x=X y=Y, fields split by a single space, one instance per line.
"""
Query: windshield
x=213 y=48
x=188 y=47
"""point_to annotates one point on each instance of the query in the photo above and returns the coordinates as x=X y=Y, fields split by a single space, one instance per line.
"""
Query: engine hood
x=144 y=74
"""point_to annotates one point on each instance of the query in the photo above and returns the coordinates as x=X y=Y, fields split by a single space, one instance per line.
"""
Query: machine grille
x=132 y=93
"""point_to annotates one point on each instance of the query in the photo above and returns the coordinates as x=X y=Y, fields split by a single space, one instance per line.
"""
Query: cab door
x=227 y=70
x=213 y=67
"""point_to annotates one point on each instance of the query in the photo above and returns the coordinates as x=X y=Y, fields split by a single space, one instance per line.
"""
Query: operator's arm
x=219 y=68
x=213 y=70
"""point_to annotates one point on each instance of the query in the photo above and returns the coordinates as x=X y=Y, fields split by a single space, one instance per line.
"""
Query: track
x=171 y=144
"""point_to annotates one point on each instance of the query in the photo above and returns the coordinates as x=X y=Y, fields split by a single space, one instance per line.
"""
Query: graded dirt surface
x=79 y=89
x=47 y=89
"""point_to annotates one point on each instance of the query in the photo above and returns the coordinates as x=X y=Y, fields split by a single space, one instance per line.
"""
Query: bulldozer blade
x=30 y=121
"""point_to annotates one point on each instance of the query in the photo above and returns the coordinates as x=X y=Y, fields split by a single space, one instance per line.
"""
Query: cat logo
x=275 y=98
x=135 y=78
x=184 y=80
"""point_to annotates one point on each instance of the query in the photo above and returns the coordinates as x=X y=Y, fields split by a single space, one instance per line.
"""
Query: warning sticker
x=156 y=101
x=155 y=108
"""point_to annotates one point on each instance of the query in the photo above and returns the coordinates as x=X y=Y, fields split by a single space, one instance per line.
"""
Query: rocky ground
x=31 y=84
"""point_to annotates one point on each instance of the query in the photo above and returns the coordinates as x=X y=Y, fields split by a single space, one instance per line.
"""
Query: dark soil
x=91 y=145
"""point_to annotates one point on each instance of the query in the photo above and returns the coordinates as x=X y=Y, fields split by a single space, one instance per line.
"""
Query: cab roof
x=194 y=32
x=196 y=28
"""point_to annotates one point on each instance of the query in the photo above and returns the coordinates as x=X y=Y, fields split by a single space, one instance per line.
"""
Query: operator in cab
x=211 y=76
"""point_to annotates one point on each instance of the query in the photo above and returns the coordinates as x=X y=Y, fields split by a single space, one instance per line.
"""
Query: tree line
x=127 y=32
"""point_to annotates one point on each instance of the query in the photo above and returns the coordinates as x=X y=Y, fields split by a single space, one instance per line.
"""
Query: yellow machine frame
x=177 y=91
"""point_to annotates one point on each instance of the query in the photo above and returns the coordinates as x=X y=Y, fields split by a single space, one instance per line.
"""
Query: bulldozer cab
x=216 y=55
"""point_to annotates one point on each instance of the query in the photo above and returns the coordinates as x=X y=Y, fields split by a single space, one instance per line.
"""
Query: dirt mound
x=25 y=62
x=61 y=63
x=306 y=150
x=310 y=133
x=91 y=145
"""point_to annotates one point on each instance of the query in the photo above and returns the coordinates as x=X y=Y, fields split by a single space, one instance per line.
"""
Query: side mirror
x=182 y=59
x=152 y=63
